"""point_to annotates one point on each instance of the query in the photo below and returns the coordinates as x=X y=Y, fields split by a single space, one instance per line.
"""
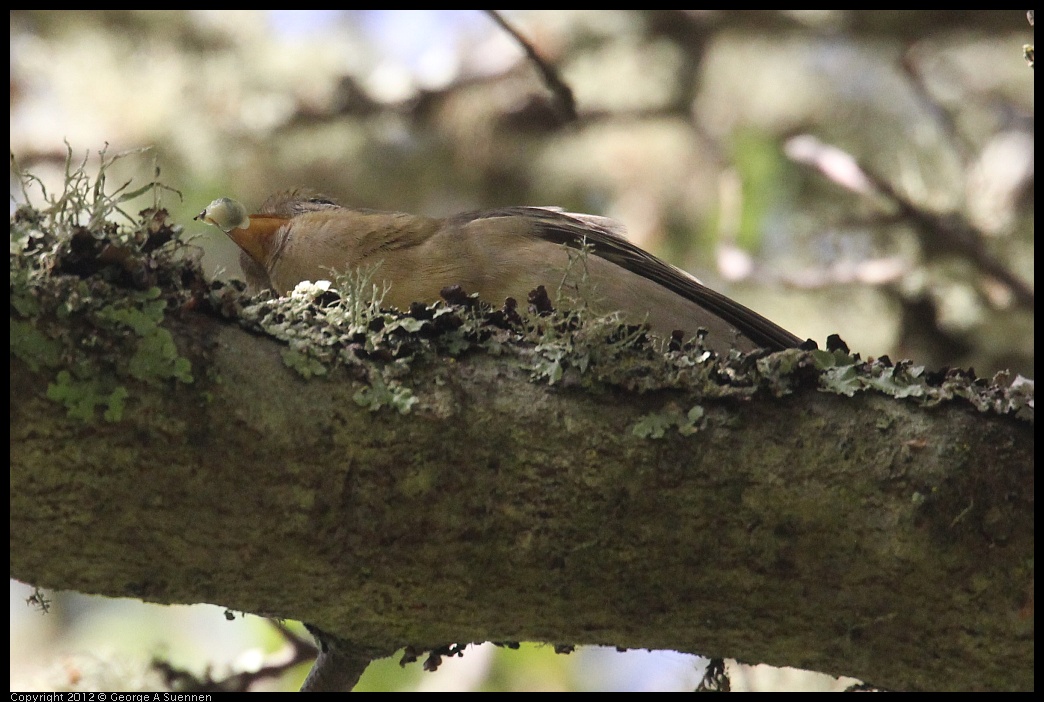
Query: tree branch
x=861 y=536
x=564 y=102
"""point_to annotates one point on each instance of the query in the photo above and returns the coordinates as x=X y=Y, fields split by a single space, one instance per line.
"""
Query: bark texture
x=862 y=536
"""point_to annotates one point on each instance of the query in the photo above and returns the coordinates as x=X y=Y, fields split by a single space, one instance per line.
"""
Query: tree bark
x=862 y=536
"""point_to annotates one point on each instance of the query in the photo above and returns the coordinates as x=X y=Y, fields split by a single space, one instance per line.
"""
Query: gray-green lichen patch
x=655 y=425
x=89 y=296
x=342 y=324
x=381 y=393
x=844 y=373
x=82 y=397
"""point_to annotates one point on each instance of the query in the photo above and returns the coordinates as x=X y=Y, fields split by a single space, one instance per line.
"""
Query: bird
x=301 y=235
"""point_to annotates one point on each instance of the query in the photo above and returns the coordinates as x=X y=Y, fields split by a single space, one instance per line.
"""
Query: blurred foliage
x=905 y=224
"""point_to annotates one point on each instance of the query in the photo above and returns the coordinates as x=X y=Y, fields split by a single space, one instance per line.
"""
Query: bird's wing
x=605 y=239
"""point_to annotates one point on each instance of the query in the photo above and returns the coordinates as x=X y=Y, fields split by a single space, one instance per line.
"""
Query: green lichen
x=89 y=294
x=655 y=425
x=381 y=393
x=307 y=366
x=327 y=325
x=82 y=397
x=155 y=356
x=847 y=374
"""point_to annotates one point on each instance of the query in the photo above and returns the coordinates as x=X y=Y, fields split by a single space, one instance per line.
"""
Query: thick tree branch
x=861 y=536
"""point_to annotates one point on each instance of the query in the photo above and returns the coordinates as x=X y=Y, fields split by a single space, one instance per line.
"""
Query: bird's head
x=226 y=214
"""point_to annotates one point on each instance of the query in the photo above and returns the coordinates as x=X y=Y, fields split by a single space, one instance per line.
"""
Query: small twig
x=297 y=651
x=563 y=94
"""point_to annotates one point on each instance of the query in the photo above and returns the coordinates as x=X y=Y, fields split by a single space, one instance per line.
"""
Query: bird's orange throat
x=258 y=239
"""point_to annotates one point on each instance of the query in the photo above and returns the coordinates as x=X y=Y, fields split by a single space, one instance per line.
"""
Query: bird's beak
x=225 y=214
